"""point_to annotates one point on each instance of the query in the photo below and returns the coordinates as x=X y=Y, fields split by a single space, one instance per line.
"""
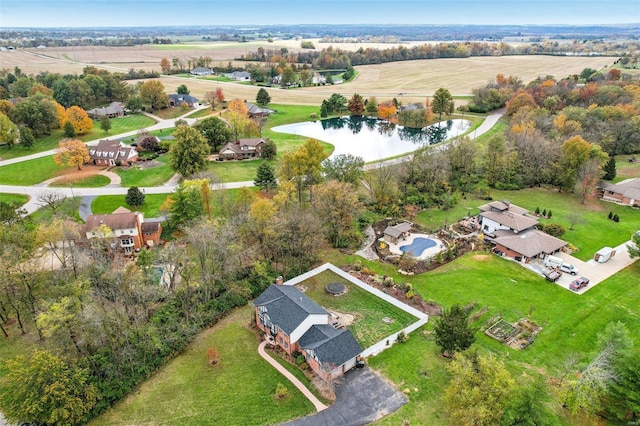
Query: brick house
x=626 y=192
x=242 y=149
x=129 y=230
x=112 y=153
x=294 y=322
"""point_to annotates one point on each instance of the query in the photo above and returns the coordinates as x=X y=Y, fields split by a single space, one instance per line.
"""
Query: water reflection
x=373 y=138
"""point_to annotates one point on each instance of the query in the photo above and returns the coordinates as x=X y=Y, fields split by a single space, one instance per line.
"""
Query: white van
x=553 y=262
x=568 y=268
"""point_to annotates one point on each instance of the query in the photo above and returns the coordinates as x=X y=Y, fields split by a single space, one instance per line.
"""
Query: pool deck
x=429 y=252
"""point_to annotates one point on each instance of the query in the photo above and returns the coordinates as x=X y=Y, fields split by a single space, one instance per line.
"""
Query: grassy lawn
x=13 y=198
x=237 y=391
x=152 y=176
x=235 y=171
x=368 y=310
x=69 y=207
x=172 y=112
x=86 y=182
x=570 y=325
x=625 y=169
x=30 y=172
x=202 y=113
x=45 y=143
x=106 y=204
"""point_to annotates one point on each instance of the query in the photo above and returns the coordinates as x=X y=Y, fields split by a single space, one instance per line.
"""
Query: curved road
x=34 y=191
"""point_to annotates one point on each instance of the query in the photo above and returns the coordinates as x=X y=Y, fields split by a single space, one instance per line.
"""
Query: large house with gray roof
x=294 y=322
x=626 y=192
x=511 y=229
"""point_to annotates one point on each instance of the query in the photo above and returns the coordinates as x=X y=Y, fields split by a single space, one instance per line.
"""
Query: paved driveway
x=361 y=398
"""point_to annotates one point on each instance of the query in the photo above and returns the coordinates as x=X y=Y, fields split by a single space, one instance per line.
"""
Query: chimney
x=279 y=280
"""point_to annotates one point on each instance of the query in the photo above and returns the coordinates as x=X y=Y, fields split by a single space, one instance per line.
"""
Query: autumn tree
x=371 y=106
x=386 y=110
x=149 y=143
x=189 y=151
x=45 y=389
x=237 y=117
x=219 y=97
x=134 y=197
x=479 y=390
x=337 y=206
x=72 y=152
x=266 y=177
x=520 y=99
x=165 y=65
x=9 y=133
x=452 y=331
x=344 y=168
x=79 y=119
x=263 y=98
x=303 y=167
x=216 y=132
x=442 y=102
x=356 y=105
x=152 y=94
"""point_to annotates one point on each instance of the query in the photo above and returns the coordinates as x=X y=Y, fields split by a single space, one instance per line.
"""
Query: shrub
x=357 y=265
x=300 y=359
x=402 y=337
x=281 y=391
x=553 y=229
x=549 y=214
x=544 y=212
x=410 y=294
x=616 y=218
x=388 y=282
x=537 y=210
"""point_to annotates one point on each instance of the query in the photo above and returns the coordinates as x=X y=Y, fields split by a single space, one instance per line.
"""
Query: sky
x=139 y=13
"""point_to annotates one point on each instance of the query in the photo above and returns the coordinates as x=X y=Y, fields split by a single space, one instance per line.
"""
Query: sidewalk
x=297 y=383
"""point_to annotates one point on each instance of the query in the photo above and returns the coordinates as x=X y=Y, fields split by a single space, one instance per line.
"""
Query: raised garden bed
x=517 y=336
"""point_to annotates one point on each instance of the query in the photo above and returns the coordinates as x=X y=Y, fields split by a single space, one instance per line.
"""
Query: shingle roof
x=287 y=306
x=237 y=147
x=179 y=99
x=114 y=221
x=517 y=222
x=331 y=346
x=629 y=188
x=396 y=231
x=112 y=108
x=531 y=243
x=501 y=206
x=150 y=227
x=111 y=149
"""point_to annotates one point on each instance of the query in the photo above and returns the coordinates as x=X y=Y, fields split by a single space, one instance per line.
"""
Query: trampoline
x=336 y=289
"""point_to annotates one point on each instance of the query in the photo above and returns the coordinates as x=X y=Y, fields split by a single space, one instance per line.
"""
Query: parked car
x=553 y=275
x=569 y=269
x=579 y=283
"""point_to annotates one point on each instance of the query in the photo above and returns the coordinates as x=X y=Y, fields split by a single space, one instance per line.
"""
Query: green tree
x=337 y=205
x=479 y=390
x=336 y=104
x=371 y=106
x=356 y=105
x=38 y=113
x=442 y=102
x=527 y=406
x=634 y=247
x=152 y=94
x=266 y=177
x=26 y=137
x=610 y=170
x=324 y=109
x=9 y=132
x=134 y=103
x=216 y=132
x=269 y=150
x=263 y=98
x=189 y=151
x=187 y=203
x=134 y=197
x=105 y=124
x=453 y=332
x=182 y=90
x=69 y=131
x=344 y=168
x=44 y=389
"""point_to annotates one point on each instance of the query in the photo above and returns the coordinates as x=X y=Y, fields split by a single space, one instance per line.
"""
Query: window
x=281 y=341
x=286 y=345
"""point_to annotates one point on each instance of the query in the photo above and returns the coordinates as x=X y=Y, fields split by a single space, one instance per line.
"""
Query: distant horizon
x=70 y=14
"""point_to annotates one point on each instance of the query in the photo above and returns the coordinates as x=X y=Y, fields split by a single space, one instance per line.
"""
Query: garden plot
x=517 y=336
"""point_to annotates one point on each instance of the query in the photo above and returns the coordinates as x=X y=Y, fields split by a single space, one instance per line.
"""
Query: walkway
x=297 y=383
x=365 y=250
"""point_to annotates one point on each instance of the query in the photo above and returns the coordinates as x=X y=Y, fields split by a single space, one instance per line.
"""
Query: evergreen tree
x=269 y=150
x=69 y=131
x=610 y=170
x=134 y=197
x=452 y=331
x=263 y=98
x=266 y=177
x=324 y=109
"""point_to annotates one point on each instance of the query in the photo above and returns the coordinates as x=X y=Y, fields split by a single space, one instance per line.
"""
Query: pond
x=373 y=138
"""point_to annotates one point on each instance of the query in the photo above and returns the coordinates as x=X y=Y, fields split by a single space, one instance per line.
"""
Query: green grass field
x=45 y=143
x=139 y=176
x=368 y=310
x=201 y=113
x=106 y=204
x=86 y=182
x=239 y=390
x=13 y=198
x=30 y=172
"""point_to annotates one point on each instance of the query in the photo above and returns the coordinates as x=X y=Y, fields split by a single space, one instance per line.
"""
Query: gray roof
x=287 y=306
x=629 y=188
x=179 y=99
x=112 y=108
x=502 y=206
x=330 y=345
x=201 y=70
x=517 y=222
x=531 y=243
x=253 y=109
x=397 y=230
